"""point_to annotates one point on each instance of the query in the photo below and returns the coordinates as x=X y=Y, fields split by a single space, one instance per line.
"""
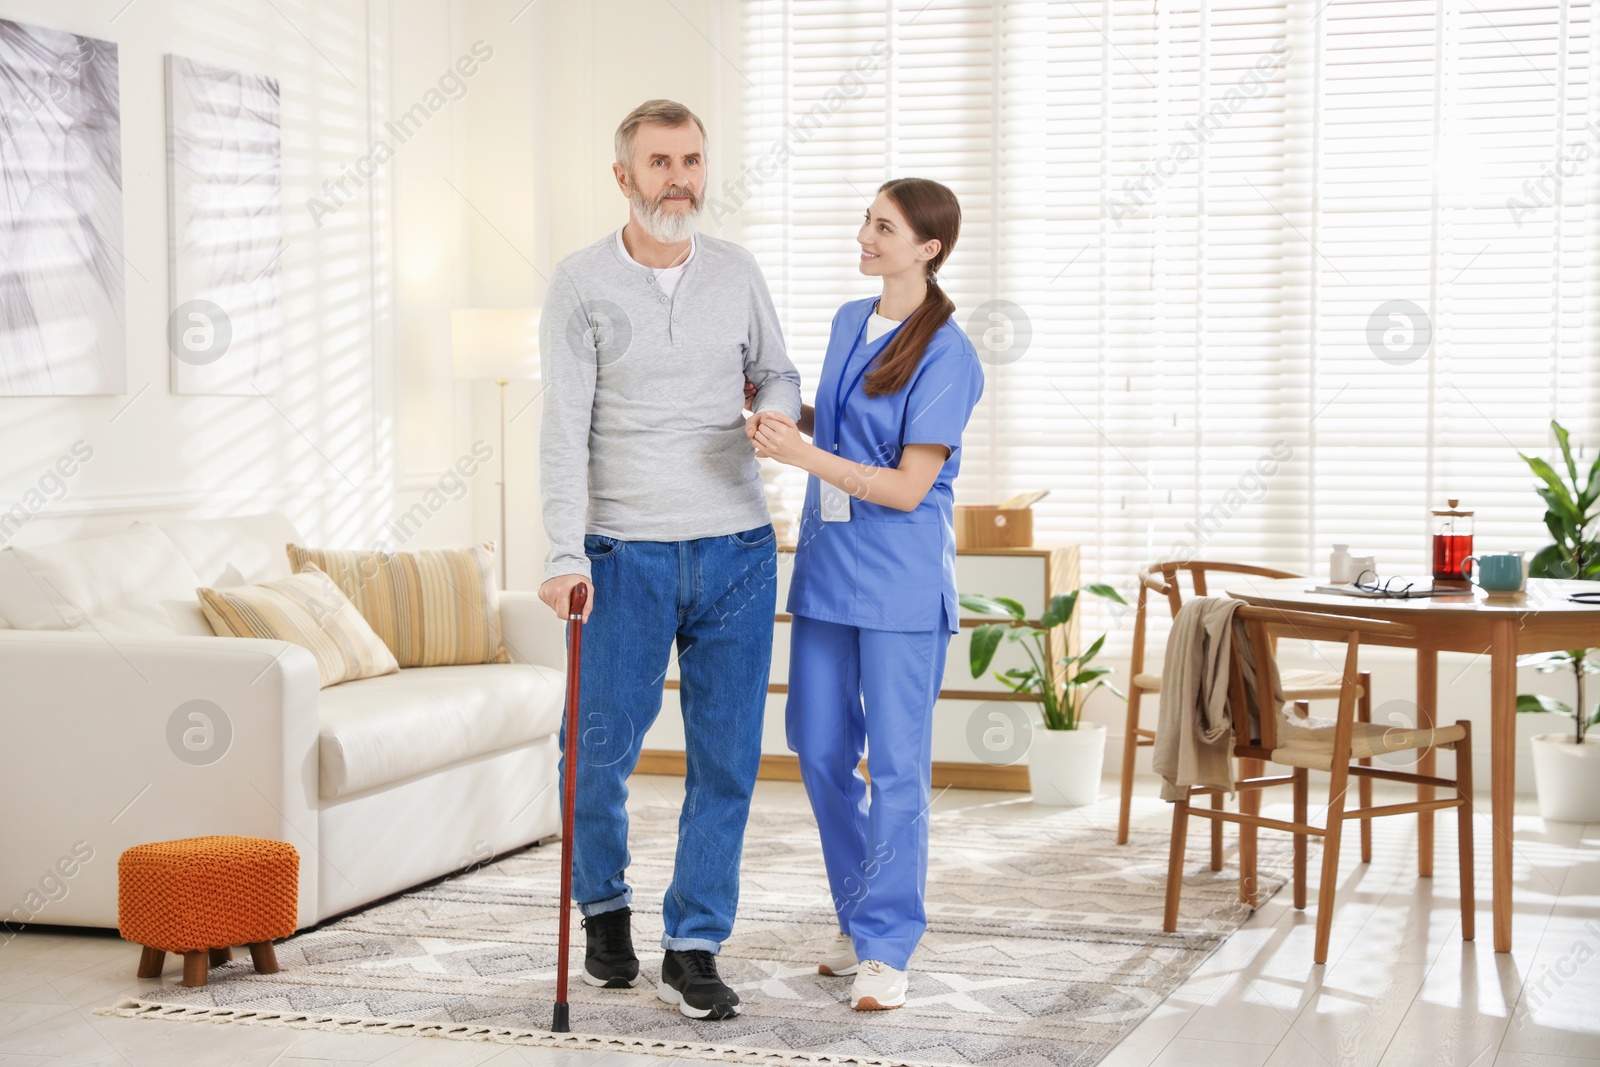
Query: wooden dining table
x=1499 y=626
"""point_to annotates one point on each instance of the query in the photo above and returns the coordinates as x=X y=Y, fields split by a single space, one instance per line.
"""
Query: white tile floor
x=1400 y=987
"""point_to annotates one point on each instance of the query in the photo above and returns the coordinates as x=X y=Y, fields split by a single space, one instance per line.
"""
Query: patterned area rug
x=1044 y=947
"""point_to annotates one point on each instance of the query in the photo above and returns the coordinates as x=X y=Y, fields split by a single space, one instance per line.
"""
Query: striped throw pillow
x=433 y=607
x=308 y=610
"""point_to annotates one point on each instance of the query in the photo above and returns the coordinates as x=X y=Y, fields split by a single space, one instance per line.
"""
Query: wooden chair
x=1346 y=752
x=1162 y=579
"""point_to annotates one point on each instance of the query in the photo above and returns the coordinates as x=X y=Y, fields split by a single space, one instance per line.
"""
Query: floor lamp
x=502 y=345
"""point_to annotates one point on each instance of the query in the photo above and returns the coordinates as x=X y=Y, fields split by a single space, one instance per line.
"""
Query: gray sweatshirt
x=643 y=436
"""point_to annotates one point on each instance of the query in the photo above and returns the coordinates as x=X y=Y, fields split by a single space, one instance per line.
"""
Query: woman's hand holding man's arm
x=902 y=487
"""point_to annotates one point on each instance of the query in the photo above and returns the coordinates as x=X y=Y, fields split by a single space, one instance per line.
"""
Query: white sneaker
x=878 y=987
x=840 y=959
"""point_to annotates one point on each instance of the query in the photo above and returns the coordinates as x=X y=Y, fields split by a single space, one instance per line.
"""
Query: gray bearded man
x=652 y=498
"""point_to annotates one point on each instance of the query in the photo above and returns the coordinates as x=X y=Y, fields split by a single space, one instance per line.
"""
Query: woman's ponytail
x=933 y=214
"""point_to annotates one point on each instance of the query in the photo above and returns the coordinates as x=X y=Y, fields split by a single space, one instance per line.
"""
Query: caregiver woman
x=873 y=592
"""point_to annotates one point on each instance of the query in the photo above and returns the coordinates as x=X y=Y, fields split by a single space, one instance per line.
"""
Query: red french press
x=1452 y=542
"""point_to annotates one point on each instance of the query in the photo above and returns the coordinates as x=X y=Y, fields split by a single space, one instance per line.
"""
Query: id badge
x=835 y=503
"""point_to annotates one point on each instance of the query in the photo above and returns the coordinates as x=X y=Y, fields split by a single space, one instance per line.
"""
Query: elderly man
x=652 y=498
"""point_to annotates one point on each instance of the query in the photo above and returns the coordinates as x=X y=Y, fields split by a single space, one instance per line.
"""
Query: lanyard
x=839 y=397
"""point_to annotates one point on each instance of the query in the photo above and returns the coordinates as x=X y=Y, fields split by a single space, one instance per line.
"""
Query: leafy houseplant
x=1581 y=662
x=1566 y=767
x=1062 y=707
x=1566 y=770
x=1570 y=511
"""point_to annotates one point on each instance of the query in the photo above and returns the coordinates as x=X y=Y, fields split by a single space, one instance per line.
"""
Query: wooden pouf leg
x=219 y=956
x=151 y=961
x=194 y=967
x=264 y=957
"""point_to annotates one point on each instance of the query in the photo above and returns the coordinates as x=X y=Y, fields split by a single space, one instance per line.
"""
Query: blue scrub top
x=886 y=569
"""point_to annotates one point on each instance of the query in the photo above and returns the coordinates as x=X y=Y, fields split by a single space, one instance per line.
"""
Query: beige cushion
x=382 y=730
x=1297 y=684
x=308 y=610
x=1308 y=742
x=433 y=607
x=240 y=550
x=134 y=583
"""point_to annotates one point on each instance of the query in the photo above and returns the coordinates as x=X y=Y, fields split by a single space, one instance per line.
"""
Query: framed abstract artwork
x=225 y=229
x=61 y=259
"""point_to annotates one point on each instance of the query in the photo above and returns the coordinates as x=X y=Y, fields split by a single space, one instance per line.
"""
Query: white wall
x=536 y=166
x=370 y=421
x=322 y=448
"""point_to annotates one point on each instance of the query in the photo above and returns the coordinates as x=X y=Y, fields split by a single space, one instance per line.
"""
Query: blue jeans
x=715 y=597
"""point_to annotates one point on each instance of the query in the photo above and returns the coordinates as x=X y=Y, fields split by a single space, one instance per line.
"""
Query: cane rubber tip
x=559 y=1025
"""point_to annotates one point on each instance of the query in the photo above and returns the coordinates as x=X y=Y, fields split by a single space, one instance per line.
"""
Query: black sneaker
x=690 y=980
x=609 y=961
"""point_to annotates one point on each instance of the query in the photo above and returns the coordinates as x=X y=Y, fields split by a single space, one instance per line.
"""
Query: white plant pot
x=1567 y=776
x=1064 y=765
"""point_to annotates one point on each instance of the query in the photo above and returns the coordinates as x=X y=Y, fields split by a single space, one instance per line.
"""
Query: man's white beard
x=668 y=227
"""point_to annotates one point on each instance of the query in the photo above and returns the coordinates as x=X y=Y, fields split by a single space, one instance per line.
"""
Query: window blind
x=1272 y=275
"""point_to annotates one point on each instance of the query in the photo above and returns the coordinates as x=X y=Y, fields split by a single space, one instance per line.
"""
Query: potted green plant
x=1569 y=513
x=1066 y=757
x=1566 y=767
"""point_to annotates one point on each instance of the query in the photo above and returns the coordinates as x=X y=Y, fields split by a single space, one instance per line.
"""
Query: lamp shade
x=497 y=343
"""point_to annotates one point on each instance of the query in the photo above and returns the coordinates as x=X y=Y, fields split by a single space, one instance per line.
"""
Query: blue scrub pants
x=875 y=848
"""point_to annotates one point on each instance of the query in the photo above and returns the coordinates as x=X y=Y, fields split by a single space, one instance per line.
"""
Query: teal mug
x=1498 y=572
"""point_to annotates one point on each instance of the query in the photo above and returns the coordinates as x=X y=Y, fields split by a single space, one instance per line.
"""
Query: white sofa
x=380 y=783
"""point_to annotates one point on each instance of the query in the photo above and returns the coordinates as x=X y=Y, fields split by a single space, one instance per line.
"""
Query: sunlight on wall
x=315 y=447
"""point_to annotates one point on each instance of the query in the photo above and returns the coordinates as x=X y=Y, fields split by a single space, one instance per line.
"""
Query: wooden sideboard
x=1029 y=575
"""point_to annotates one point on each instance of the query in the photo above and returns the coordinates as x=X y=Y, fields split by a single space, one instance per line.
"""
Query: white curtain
x=1250 y=277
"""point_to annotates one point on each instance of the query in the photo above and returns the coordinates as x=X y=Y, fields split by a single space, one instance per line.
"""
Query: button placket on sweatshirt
x=673 y=335
x=674 y=320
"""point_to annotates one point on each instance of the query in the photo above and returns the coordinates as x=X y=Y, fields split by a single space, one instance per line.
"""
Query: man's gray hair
x=660 y=112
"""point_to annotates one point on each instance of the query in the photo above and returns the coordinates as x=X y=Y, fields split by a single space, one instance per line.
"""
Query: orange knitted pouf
x=202 y=895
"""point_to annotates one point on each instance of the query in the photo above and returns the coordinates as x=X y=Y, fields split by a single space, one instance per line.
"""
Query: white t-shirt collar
x=694 y=245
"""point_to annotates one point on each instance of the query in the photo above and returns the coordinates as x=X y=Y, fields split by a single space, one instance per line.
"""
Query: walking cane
x=575 y=606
